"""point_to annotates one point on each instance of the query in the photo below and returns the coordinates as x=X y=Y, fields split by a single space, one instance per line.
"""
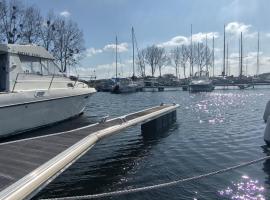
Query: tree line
x=21 y=24
x=198 y=56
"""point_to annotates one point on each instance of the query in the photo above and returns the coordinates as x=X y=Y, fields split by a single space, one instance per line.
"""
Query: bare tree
x=32 y=21
x=202 y=56
x=68 y=43
x=184 y=58
x=161 y=59
x=152 y=57
x=176 y=56
x=141 y=62
x=11 y=20
x=47 y=31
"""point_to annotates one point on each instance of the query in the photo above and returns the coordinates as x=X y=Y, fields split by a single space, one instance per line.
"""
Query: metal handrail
x=15 y=82
x=51 y=82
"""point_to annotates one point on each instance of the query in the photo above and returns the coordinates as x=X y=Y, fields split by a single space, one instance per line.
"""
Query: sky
x=167 y=24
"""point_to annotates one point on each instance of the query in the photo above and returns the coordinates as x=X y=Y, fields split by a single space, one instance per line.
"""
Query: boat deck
x=24 y=161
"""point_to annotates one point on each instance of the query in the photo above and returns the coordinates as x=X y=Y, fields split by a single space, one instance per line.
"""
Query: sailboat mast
x=213 y=62
x=241 y=56
x=227 y=60
x=116 y=57
x=258 y=55
x=191 y=49
x=206 y=56
x=224 y=49
x=133 y=64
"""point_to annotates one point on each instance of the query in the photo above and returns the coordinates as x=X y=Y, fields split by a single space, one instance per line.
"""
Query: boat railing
x=53 y=79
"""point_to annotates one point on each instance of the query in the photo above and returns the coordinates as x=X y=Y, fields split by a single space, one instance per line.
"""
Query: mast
x=206 y=56
x=241 y=56
x=258 y=55
x=213 y=62
x=191 y=56
x=116 y=57
x=227 y=60
x=224 y=49
x=132 y=33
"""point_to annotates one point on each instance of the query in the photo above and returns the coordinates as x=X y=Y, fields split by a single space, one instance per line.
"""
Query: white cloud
x=236 y=28
x=122 y=47
x=92 y=51
x=175 y=41
x=65 y=13
x=182 y=40
x=200 y=37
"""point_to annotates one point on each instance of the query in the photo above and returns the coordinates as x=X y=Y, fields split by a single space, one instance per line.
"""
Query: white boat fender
x=267 y=132
x=266 y=112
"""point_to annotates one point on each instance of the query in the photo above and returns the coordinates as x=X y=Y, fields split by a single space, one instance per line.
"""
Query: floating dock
x=28 y=165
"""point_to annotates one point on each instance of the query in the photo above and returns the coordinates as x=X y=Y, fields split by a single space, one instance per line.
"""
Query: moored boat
x=201 y=83
x=33 y=90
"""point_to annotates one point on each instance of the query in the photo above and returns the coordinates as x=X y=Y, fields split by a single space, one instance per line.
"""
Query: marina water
x=213 y=131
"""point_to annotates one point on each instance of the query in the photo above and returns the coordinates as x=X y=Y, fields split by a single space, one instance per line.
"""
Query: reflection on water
x=245 y=189
x=213 y=131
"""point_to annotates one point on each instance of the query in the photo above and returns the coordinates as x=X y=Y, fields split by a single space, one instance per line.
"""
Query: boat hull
x=201 y=88
x=22 y=117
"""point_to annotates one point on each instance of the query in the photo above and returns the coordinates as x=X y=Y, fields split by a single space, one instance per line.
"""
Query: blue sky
x=165 y=23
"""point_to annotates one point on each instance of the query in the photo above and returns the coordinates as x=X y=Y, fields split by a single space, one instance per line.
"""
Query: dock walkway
x=27 y=165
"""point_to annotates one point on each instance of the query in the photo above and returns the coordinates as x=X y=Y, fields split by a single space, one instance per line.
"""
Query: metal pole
x=258 y=55
x=213 y=56
x=15 y=82
x=116 y=57
x=224 y=49
x=206 y=56
x=132 y=30
x=241 y=56
x=51 y=82
x=191 y=56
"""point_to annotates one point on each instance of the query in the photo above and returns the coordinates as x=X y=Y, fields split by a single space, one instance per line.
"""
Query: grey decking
x=19 y=158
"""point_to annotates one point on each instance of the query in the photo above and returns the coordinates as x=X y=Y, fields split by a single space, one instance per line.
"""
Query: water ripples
x=213 y=131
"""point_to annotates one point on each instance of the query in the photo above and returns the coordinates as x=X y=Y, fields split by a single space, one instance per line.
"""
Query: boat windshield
x=201 y=75
x=35 y=65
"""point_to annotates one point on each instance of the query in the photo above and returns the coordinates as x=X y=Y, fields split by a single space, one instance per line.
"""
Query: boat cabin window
x=35 y=65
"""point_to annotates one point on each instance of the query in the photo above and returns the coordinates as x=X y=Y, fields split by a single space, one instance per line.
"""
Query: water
x=213 y=131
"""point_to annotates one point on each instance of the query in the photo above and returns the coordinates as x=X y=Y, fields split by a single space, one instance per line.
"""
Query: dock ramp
x=27 y=165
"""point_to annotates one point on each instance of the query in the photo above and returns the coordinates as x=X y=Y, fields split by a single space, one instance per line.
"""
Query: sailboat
x=123 y=85
x=200 y=82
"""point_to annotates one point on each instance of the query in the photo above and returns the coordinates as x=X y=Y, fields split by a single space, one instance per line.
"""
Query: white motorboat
x=201 y=83
x=34 y=92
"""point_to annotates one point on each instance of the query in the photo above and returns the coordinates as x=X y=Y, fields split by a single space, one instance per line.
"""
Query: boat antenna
x=116 y=57
x=258 y=55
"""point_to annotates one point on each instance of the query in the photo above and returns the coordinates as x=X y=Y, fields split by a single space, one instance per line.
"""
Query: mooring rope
x=161 y=185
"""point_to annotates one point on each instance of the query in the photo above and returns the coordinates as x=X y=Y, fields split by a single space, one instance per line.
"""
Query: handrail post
x=15 y=82
x=51 y=82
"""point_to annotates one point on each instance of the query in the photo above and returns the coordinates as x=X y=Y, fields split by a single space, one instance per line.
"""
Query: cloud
x=236 y=28
x=200 y=37
x=182 y=40
x=92 y=51
x=122 y=47
x=175 y=41
x=65 y=13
